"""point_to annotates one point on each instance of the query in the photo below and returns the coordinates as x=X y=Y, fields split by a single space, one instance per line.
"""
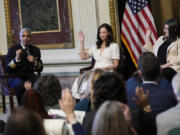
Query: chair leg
x=11 y=103
x=4 y=103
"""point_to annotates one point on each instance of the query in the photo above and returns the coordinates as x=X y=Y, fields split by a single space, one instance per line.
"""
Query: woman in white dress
x=105 y=53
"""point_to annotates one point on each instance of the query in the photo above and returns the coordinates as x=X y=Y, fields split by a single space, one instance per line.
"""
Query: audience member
x=166 y=48
x=105 y=53
x=23 y=121
x=49 y=88
x=136 y=80
x=85 y=103
x=144 y=118
x=161 y=99
x=54 y=124
x=22 y=61
x=108 y=86
x=170 y=119
x=32 y=100
x=109 y=120
x=67 y=105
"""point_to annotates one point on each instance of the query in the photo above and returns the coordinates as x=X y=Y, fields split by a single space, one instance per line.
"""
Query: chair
x=6 y=90
x=120 y=69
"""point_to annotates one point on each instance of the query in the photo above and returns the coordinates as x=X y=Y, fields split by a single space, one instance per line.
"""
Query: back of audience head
x=172 y=29
x=176 y=86
x=109 y=120
x=149 y=66
x=108 y=86
x=96 y=74
x=23 y=121
x=49 y=88
x=33 y=101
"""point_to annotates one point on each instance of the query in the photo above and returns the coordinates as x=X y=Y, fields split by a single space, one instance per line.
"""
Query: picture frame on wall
x=49 y=20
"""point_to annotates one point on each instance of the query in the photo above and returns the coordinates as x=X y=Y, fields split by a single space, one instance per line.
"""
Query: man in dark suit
x=160 y=98
x=149 y=70
x=22 y=61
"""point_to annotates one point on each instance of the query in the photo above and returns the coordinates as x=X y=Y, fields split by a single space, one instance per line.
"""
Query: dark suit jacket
x=88 y=121
x=24 y=67
x=78 y=129
x=160 y=98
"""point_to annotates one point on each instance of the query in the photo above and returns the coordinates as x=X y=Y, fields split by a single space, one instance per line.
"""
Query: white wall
x=103 y=12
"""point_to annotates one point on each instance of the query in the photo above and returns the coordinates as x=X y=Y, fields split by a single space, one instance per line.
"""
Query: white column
x=103 y=13
x=84 y=18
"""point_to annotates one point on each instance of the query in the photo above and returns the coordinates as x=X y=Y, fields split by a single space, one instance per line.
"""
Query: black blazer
x=23 y=67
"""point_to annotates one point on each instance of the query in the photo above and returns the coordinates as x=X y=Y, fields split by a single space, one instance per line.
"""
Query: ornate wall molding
x=114 y=19
x=8 y=23
x=177 y=7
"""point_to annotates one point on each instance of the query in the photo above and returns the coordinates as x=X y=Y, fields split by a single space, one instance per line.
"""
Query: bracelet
x=147 y=108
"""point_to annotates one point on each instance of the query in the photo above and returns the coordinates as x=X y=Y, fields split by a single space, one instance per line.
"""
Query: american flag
x=136 y=19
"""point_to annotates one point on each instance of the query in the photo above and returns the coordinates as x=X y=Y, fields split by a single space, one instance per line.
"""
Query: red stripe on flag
x=134 y=27
x=132 y=38
x=148 y=20
x=154 y=27
x=140 y=23
x=129 y=48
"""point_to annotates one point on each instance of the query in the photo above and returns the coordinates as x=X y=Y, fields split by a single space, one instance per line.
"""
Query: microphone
x=27 y=51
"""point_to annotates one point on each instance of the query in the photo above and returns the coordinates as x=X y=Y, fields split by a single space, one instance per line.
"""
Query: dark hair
x=32 y=100
x=108 y=86
x=23 y=121
x=149 y=66
x=173 y=29
x=49 y=88
x=110 y=37
x=178 y=30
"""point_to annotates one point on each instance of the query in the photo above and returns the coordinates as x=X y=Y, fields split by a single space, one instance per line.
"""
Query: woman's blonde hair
x=109 y=120
x=96 y=74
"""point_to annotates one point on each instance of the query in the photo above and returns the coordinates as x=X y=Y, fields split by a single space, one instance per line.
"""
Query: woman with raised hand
x=66 y=103
x=105 y=53
x=166 y=48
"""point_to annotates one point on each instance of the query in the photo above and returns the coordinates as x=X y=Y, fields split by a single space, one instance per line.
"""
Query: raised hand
x=128 y=117
x=81 y=36
x=28 y=85
x=142 y=99
x=126 y=112
x=168 y=64
x=67 y=105
x=148 y=33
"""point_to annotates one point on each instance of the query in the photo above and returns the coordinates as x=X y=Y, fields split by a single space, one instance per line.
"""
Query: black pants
x=18 y=84
x=168 y=73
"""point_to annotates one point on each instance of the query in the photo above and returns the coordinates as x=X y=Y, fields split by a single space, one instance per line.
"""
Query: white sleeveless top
x=105 y=58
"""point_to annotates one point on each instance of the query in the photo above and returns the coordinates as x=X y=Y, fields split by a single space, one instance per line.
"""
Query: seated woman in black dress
x=166 y=48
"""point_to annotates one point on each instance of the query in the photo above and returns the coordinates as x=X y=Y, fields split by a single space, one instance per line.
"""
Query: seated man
x=22 y=61
x=161 y=98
